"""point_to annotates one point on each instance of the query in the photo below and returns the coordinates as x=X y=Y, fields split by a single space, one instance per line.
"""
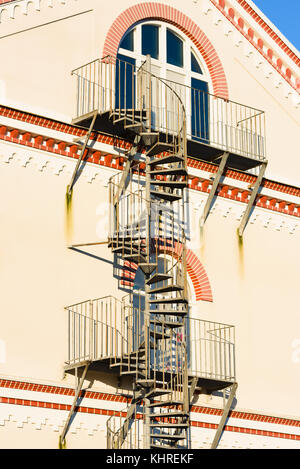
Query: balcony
x=107 y=333
x=213 y=125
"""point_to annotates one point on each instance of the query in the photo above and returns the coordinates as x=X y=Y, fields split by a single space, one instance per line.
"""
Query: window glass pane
x=195 y=65
x=128 y=41
x=150 y=43
x=174 y=49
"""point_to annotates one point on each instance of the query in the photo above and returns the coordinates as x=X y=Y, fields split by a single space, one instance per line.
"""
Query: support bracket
x=252 y=199
x=222 y=423
x=130 y=158
x=86 y=141
x=78 y=388
x=214 y=188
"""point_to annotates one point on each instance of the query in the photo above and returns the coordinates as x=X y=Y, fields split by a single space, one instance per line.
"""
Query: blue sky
x=285 y=15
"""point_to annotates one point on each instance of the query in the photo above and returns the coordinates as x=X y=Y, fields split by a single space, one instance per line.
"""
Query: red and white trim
x=18 y=393
x=195 y=270
x=61 y=147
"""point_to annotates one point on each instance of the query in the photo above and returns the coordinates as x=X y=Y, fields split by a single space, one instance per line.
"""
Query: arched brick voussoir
x=158 y=11
x=195 y=270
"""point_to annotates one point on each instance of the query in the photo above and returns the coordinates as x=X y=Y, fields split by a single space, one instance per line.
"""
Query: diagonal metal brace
x=214 y=188
x=251 y=202
x=130 y=157
x=123 y=432
x=88 y=135
x=68 y=421
x=224 y=416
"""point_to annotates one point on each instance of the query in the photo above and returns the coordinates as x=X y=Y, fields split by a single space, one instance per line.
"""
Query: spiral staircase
x=155 y=243
x=148 y=342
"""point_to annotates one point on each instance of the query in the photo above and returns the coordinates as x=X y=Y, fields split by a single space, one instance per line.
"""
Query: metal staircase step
x=137 y=258
x=167 y=160
x=169 y=425
x=156 y=278
x=168 y=301
x=168 y=288
x=169 y=312
x=166 y=196
x=147 y=268
x=145 y=383
x=169 y=172
x=169 y=414
x=158 y=148
x=165 y=403
x=167 y=437
x=149 y=138
x=169 y=324
x=171 y=184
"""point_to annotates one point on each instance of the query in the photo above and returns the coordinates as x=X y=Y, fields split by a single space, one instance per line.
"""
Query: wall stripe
x=59 y=390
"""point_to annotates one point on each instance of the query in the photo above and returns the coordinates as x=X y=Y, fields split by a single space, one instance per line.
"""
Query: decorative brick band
x=109 y=412
x=62 y=148
x=195 y=270
x=168 y=14
x=58 y=390
x=258 y=43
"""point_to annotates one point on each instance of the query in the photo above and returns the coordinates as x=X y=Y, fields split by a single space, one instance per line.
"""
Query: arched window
x=175 y=59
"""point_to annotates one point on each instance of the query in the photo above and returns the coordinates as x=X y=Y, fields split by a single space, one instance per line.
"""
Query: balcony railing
x=109 y=329
x=108 y=85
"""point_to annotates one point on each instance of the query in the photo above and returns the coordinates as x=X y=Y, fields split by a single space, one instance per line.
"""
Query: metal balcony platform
x=204 y=383
x=197 y=149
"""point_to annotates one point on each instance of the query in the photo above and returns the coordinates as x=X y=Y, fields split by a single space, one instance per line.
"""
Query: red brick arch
x=159 y=11
x=195 y=271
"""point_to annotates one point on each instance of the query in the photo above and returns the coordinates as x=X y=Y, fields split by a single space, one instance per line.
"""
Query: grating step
x=167 y=160
x=169 y=425
x=146 y=383
x=169 y=312
x=172 y=184
x=175 y=413
x=147 y=268
x=156 y=278
x=149 y=138
x=137 y=258
x=169 y=324
x=168 y=288
x=165 y=403
x=166 y=196
x=167 y=437
x=168 y=301
x=159 y=147
x=169 y=172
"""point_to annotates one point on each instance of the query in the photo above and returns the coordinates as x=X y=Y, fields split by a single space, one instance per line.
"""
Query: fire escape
x=149 y=337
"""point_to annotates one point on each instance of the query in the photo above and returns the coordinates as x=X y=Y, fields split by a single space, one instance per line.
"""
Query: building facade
x=149 y=179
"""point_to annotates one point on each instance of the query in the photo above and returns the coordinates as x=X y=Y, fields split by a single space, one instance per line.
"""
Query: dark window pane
x=195 y=65
x=174 y=49
x=150 y=43
x=125 y=82
x=127 y=41
x=200 y=111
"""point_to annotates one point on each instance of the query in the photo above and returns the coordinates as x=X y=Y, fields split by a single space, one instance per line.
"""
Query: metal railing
x=134 y=437
x=107 y=328
x=109 y=85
